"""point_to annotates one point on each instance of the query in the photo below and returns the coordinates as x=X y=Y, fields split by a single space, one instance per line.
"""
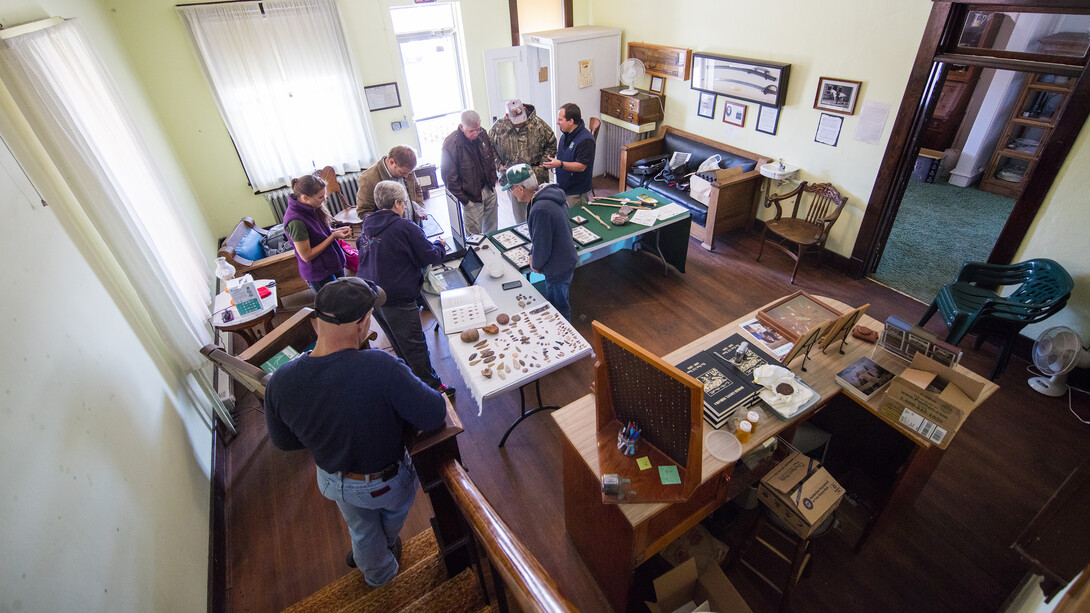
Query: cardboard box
x=801 y=493
x=708 y=591
x=700 y=189
x=930 y=400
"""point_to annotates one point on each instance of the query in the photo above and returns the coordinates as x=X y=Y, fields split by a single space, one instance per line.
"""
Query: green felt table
x=668 y=239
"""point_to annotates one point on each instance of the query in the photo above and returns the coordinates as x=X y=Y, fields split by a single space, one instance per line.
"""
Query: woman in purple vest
x=306 y=223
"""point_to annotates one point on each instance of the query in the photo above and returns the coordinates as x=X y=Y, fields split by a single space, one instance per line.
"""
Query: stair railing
x=462 y=513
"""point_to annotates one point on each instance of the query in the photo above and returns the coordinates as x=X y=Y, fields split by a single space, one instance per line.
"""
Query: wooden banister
x=523 y=575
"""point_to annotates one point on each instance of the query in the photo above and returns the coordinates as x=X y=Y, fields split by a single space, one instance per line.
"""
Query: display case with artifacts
x=796 y=315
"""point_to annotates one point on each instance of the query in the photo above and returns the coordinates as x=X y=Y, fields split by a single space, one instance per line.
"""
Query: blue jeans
x=318 y=285
x=401 y=324
x=374 y=521
x=556 y=292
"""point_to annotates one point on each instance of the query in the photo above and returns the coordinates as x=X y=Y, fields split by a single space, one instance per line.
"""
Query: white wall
x=105 y=499
x=104 y=464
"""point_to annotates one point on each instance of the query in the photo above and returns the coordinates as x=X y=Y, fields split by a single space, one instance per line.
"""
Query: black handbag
x=649 y=166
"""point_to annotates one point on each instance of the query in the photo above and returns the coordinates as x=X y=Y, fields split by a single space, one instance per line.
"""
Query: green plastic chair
x=968 y=305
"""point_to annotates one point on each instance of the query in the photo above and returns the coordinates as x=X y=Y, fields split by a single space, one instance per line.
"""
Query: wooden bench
x=282 y=267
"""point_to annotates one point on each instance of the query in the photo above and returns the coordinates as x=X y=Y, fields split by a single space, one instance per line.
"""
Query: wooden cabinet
x=1038 y=109
x=1039 y=105
x=639 y=108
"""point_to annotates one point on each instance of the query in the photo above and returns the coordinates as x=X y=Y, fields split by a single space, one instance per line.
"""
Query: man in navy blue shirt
x=350 y=408
x=574 y=161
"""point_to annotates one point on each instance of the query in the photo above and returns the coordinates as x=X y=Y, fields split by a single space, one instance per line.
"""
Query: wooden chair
x=282 y=267
x=773 y=534
x=808 y=226
x=594 y=124
x=298 y=332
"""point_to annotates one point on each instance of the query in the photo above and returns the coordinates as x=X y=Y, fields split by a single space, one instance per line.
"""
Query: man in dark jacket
x=553 y=253
x=353 y=424
x=469 y=173
x=393 y=250
x=574 y=161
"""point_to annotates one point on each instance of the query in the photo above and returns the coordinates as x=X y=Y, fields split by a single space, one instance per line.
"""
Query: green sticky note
x=643 y=463
x=668 y=475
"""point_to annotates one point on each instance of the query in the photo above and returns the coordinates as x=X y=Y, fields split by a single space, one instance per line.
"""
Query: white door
x=506 y=76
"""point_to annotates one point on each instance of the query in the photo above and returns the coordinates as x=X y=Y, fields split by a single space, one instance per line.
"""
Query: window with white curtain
x=285 y=85
x=72 y=105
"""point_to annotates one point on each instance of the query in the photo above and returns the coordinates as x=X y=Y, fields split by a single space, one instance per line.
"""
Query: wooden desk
x=614 y=539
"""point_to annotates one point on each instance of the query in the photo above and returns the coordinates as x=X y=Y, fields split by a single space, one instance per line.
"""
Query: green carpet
x=938 y=228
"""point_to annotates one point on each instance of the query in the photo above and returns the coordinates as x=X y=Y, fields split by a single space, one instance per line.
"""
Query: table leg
x=524 y=413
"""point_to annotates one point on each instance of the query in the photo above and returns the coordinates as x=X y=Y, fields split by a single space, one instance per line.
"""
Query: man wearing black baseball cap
x=349 y=408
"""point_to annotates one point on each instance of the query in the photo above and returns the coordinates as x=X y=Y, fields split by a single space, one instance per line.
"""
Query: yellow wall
x=1059 y=233
x=873 y=42
x=162 y=56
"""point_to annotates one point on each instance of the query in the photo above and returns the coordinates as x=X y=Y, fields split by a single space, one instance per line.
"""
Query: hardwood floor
x=950 y=551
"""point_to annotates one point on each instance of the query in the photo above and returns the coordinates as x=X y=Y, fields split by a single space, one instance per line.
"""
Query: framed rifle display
x=752 y=80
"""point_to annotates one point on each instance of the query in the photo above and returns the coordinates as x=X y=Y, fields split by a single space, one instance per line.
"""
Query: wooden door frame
x=513 y=8
x=921 y=94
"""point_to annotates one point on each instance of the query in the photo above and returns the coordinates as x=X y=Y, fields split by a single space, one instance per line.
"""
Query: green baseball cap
x=517 y=174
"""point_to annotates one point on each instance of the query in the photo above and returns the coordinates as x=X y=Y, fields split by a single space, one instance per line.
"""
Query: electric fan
x=630 y=71
x=1055 y=353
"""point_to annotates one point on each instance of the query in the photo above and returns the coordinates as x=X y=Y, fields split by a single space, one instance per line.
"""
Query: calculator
x=244 y=295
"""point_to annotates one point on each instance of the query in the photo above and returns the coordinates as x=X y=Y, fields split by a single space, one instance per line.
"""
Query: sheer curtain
x=285 y=85
x=74 y=109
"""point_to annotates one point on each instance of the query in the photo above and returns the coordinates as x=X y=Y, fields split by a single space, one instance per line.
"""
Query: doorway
x=1052 y=44
x=433 y=60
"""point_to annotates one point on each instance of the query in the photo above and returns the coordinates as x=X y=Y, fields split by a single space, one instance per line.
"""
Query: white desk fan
x=630 y=71
x=1056 y=352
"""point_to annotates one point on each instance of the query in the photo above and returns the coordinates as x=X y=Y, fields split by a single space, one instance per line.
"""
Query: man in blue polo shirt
x=574 y=161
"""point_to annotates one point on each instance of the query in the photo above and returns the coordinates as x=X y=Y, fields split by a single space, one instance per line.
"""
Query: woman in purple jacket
x=307 y=224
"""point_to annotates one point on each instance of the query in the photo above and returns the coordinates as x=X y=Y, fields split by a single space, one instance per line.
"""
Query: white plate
x=723 y=446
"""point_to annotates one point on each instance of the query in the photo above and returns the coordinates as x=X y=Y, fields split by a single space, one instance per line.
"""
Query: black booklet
x=865 y=377
x=725 y=391
x=728 y=385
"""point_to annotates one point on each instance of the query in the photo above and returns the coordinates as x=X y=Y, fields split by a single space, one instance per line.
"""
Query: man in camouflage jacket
x=521 y=137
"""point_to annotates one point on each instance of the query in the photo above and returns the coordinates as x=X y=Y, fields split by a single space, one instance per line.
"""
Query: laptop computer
x=464 y=275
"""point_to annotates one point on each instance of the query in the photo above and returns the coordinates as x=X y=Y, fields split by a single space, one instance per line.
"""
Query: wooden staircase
x=420 y=586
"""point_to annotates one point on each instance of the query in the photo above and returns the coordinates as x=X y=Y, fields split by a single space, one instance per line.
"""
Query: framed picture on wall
x=657 y=84
x=706 y=107
x=734 y=113
x=768 y=119
x=837 y=95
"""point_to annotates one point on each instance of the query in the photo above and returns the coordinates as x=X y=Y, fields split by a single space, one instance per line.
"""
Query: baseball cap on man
x=517 y=174
x=516 y=112
x=347 y=300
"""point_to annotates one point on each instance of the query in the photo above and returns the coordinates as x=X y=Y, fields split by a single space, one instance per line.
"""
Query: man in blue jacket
x=350 y=408
x=553 y=253
x=574 y=161
x=393 y=251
